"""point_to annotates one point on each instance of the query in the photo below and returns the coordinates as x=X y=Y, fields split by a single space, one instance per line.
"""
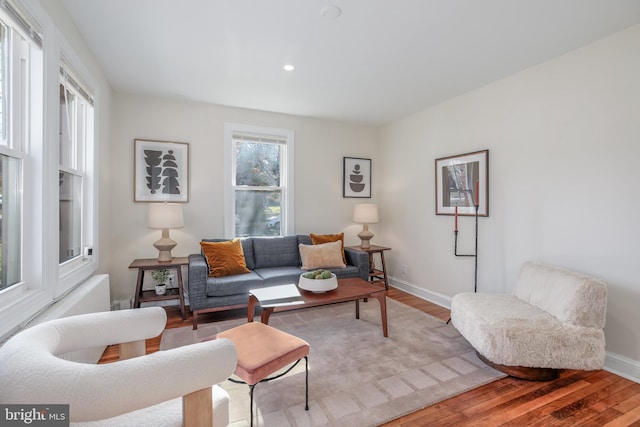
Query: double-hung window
x=259 y=176
x=75 y=138
x=47 y=165
x=20 y=79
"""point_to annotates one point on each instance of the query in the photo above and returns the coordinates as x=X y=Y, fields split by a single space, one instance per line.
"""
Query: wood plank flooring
x=577 y=398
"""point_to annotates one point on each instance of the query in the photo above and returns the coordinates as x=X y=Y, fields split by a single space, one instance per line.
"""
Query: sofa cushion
x=233 y=285
x=277 y=251
x=247 y=249
x=569 y=296
x=318 y=239
x=273 y=276
x=325 y=255
x=305 y=239
x=345 y=273
x=511 y=332
x=224 y=258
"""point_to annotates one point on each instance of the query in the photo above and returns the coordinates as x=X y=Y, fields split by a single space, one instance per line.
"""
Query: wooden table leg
x=136 y=299
x=384 y=271
x=266 y=312
x=381 y=297
x=357 y=309
x=195 y=320
x=251 y=306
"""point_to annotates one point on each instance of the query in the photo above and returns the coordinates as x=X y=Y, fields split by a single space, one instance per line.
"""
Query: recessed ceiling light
x=289 y=67
x=330 y=12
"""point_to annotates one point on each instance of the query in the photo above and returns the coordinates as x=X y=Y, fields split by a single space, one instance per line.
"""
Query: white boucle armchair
x=165 y=388
x=553 y=320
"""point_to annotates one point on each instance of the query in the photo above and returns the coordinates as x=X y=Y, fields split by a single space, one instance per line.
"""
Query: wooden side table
x=153 y=264
x=376 y=275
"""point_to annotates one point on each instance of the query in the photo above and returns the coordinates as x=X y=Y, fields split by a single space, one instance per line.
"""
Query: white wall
x=564 y=141
x=319 y=148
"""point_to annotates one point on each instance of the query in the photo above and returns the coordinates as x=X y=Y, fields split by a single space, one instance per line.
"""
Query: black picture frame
x=456 y=178
x=356 y=177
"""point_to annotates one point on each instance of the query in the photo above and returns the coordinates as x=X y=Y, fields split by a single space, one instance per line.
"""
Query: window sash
x=71 y=209
x=11 y=221
x=235 y=133
x=4 y=84
x=16 y=71
x=76 y=115
x=23 y=21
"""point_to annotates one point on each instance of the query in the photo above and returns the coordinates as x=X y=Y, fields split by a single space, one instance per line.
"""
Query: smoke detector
x=330 y=12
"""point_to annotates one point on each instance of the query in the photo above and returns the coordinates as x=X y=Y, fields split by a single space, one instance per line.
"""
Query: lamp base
x=164 y=246
x=365 y=236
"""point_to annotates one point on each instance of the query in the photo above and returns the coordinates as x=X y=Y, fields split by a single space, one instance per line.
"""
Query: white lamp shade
x=165 y=215
x=366 y=213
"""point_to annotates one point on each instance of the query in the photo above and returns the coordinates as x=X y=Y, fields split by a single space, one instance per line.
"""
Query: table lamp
x=165 y=216
x=365 y=214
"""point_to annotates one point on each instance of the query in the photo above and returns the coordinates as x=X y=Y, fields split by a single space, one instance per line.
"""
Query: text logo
x=34 y=415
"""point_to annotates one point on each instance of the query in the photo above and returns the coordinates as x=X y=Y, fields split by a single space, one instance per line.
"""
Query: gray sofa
x=272 y=261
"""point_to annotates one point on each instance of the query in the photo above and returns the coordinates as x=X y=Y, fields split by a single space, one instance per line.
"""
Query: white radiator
x=90 y=297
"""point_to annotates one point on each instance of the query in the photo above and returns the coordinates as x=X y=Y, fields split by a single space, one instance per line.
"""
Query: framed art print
x=462 y=181
x=356 y=177
x=161 y=171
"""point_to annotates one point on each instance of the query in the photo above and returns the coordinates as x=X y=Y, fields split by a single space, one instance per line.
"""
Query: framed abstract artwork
x=462 y=182
x=161 y=171
x=356 y=177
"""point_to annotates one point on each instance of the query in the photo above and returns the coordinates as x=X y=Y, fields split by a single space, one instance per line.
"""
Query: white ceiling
x=380 y=60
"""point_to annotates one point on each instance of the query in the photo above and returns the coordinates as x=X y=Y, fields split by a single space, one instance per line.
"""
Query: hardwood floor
x=593 y=398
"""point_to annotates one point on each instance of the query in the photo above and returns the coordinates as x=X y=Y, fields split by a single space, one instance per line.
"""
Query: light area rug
x=357 y=377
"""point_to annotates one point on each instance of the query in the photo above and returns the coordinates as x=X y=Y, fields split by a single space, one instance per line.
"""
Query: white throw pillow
x=325 y=255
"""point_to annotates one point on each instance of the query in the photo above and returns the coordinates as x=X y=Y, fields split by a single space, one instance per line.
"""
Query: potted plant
x=160 y=276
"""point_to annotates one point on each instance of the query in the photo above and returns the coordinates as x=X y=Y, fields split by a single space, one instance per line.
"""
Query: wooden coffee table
x=352 y=289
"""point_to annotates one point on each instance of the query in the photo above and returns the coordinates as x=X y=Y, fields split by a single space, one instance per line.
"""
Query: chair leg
x=251 y=387
x=306 y=384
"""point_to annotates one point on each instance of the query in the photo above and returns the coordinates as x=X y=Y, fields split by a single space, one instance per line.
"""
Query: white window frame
x=286 y=167
x=44 y=281
x=82 y=136
x=74 y=271
x=25 y=298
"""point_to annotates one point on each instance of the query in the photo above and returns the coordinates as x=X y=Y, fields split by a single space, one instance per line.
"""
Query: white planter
x=161 y=289
x=321 y=285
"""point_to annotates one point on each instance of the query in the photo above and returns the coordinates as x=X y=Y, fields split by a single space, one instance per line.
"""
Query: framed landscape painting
x=462 y=181
x=161 y=171
x=356 y=177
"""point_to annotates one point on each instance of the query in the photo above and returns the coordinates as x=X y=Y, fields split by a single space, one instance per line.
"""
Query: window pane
x=258 y=213
x=10 y=220
x=3 y=85
x=67 y=124
x=70 y=216
x=257 y=164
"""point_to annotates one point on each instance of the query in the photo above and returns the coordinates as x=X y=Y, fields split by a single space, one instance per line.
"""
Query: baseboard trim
x=434 y=297
x=614 y=363
x=622 y=366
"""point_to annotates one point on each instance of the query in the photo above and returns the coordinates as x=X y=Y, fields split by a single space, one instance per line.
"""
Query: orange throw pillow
x=318 y=239
x=225 y=258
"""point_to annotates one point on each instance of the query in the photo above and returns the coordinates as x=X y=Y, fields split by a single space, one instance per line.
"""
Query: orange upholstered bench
x=263 y=350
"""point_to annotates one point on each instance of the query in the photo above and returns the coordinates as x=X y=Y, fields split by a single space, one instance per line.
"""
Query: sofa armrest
x=359 y=259
x=198 y=273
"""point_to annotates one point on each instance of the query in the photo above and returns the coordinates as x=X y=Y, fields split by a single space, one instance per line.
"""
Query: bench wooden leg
x=129 y=350
x=197 y=408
